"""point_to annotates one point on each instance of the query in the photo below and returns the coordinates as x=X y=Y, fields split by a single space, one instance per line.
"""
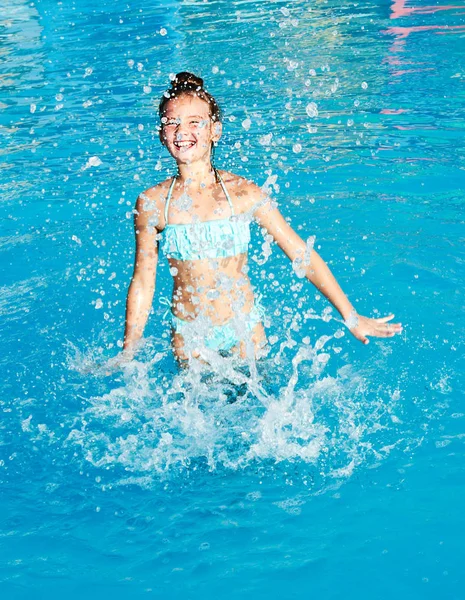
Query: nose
x=181 y=131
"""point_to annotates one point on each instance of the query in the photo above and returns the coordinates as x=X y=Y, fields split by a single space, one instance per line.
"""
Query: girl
x=200 y=218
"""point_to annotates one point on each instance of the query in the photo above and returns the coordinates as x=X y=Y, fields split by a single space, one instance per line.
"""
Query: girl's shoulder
x=244 y=192
x=152 y=200
x=156 y=195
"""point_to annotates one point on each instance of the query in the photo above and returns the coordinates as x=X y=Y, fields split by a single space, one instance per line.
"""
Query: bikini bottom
x=222 y=338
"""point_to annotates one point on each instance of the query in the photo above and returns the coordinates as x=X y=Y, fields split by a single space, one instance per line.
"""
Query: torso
x=217 y=287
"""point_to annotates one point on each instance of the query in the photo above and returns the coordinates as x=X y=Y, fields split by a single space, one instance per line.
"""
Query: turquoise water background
x=337 y=472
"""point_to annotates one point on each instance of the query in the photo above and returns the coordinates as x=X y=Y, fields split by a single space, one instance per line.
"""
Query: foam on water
x=234 y=415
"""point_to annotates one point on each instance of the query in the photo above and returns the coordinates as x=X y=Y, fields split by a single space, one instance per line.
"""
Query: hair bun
x=187 y=80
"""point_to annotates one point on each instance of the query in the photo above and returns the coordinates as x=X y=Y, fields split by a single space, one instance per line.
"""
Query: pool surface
x=329 y=469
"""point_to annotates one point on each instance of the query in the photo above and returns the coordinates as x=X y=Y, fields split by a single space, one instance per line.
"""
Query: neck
x=195 y=174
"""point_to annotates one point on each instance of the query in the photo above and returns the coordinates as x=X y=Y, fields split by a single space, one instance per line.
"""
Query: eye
x=167 y=122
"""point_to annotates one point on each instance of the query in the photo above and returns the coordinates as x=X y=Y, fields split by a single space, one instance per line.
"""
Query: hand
x=374 y=327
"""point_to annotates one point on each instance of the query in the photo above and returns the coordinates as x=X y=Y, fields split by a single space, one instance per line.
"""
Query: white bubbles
x=94 y=161
x=364 y=85
x=308 y=250
x=285 y=11
x=215 y=70
x=87 y=103
x=32 y=108
x=88 y=71
x=297 y=148
x=298 y=267
x=292 y=65
x=173 y=271
x=246 y=123
x=163 y=31
x=130 y=63
x=147 y=89
x=265 y=140
x=98 y=303
x=311 y=109
x=76 y=239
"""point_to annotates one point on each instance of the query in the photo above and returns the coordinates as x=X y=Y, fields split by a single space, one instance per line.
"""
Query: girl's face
x=187 y=129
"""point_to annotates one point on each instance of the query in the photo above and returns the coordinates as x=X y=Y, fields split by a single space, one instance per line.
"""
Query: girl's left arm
x=318 y=272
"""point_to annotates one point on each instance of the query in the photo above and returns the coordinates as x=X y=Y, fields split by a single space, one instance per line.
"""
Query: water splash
x=233 y=415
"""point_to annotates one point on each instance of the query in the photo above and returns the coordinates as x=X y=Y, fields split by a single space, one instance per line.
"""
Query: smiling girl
x=200 y=218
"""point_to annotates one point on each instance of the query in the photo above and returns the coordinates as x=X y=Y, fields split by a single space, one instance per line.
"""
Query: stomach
x=216 y=288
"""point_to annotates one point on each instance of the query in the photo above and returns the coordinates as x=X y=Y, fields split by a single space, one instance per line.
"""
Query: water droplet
x=246 y=123
x=94 y=161
x=311 y=109
x=163 y=31
x=297 y=148
x=364 y=85
x=265 y=140
x=292 y=65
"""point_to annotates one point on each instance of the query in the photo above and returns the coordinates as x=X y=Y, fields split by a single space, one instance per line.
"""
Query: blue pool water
x=337 y=472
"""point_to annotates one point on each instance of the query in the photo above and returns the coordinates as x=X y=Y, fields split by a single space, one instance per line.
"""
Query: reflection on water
x=400 y=9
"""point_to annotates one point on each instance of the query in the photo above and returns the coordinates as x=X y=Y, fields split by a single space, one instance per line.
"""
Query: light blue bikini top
x=218 y=238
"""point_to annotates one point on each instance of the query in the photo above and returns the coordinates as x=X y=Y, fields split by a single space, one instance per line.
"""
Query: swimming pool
x=330 y=469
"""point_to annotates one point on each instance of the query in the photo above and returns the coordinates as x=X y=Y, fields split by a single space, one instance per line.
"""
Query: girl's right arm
x=141 y=289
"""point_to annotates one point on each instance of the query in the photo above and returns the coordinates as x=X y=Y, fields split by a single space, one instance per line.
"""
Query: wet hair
x=187 y=84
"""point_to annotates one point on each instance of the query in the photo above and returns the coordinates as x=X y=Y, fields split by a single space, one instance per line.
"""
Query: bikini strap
x=225 y=191
x=168 y=199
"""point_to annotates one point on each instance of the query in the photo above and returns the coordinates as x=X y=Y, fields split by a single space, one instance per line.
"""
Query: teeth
x=183 y=144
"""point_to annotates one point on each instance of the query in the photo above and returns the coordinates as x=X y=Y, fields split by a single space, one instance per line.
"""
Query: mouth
x=184 y=144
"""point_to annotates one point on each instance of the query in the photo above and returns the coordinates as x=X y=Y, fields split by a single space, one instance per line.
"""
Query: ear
x=217 y=130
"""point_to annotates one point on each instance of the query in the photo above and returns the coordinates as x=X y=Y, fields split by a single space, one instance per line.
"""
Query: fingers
x=385 y=319
x=384 y=329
